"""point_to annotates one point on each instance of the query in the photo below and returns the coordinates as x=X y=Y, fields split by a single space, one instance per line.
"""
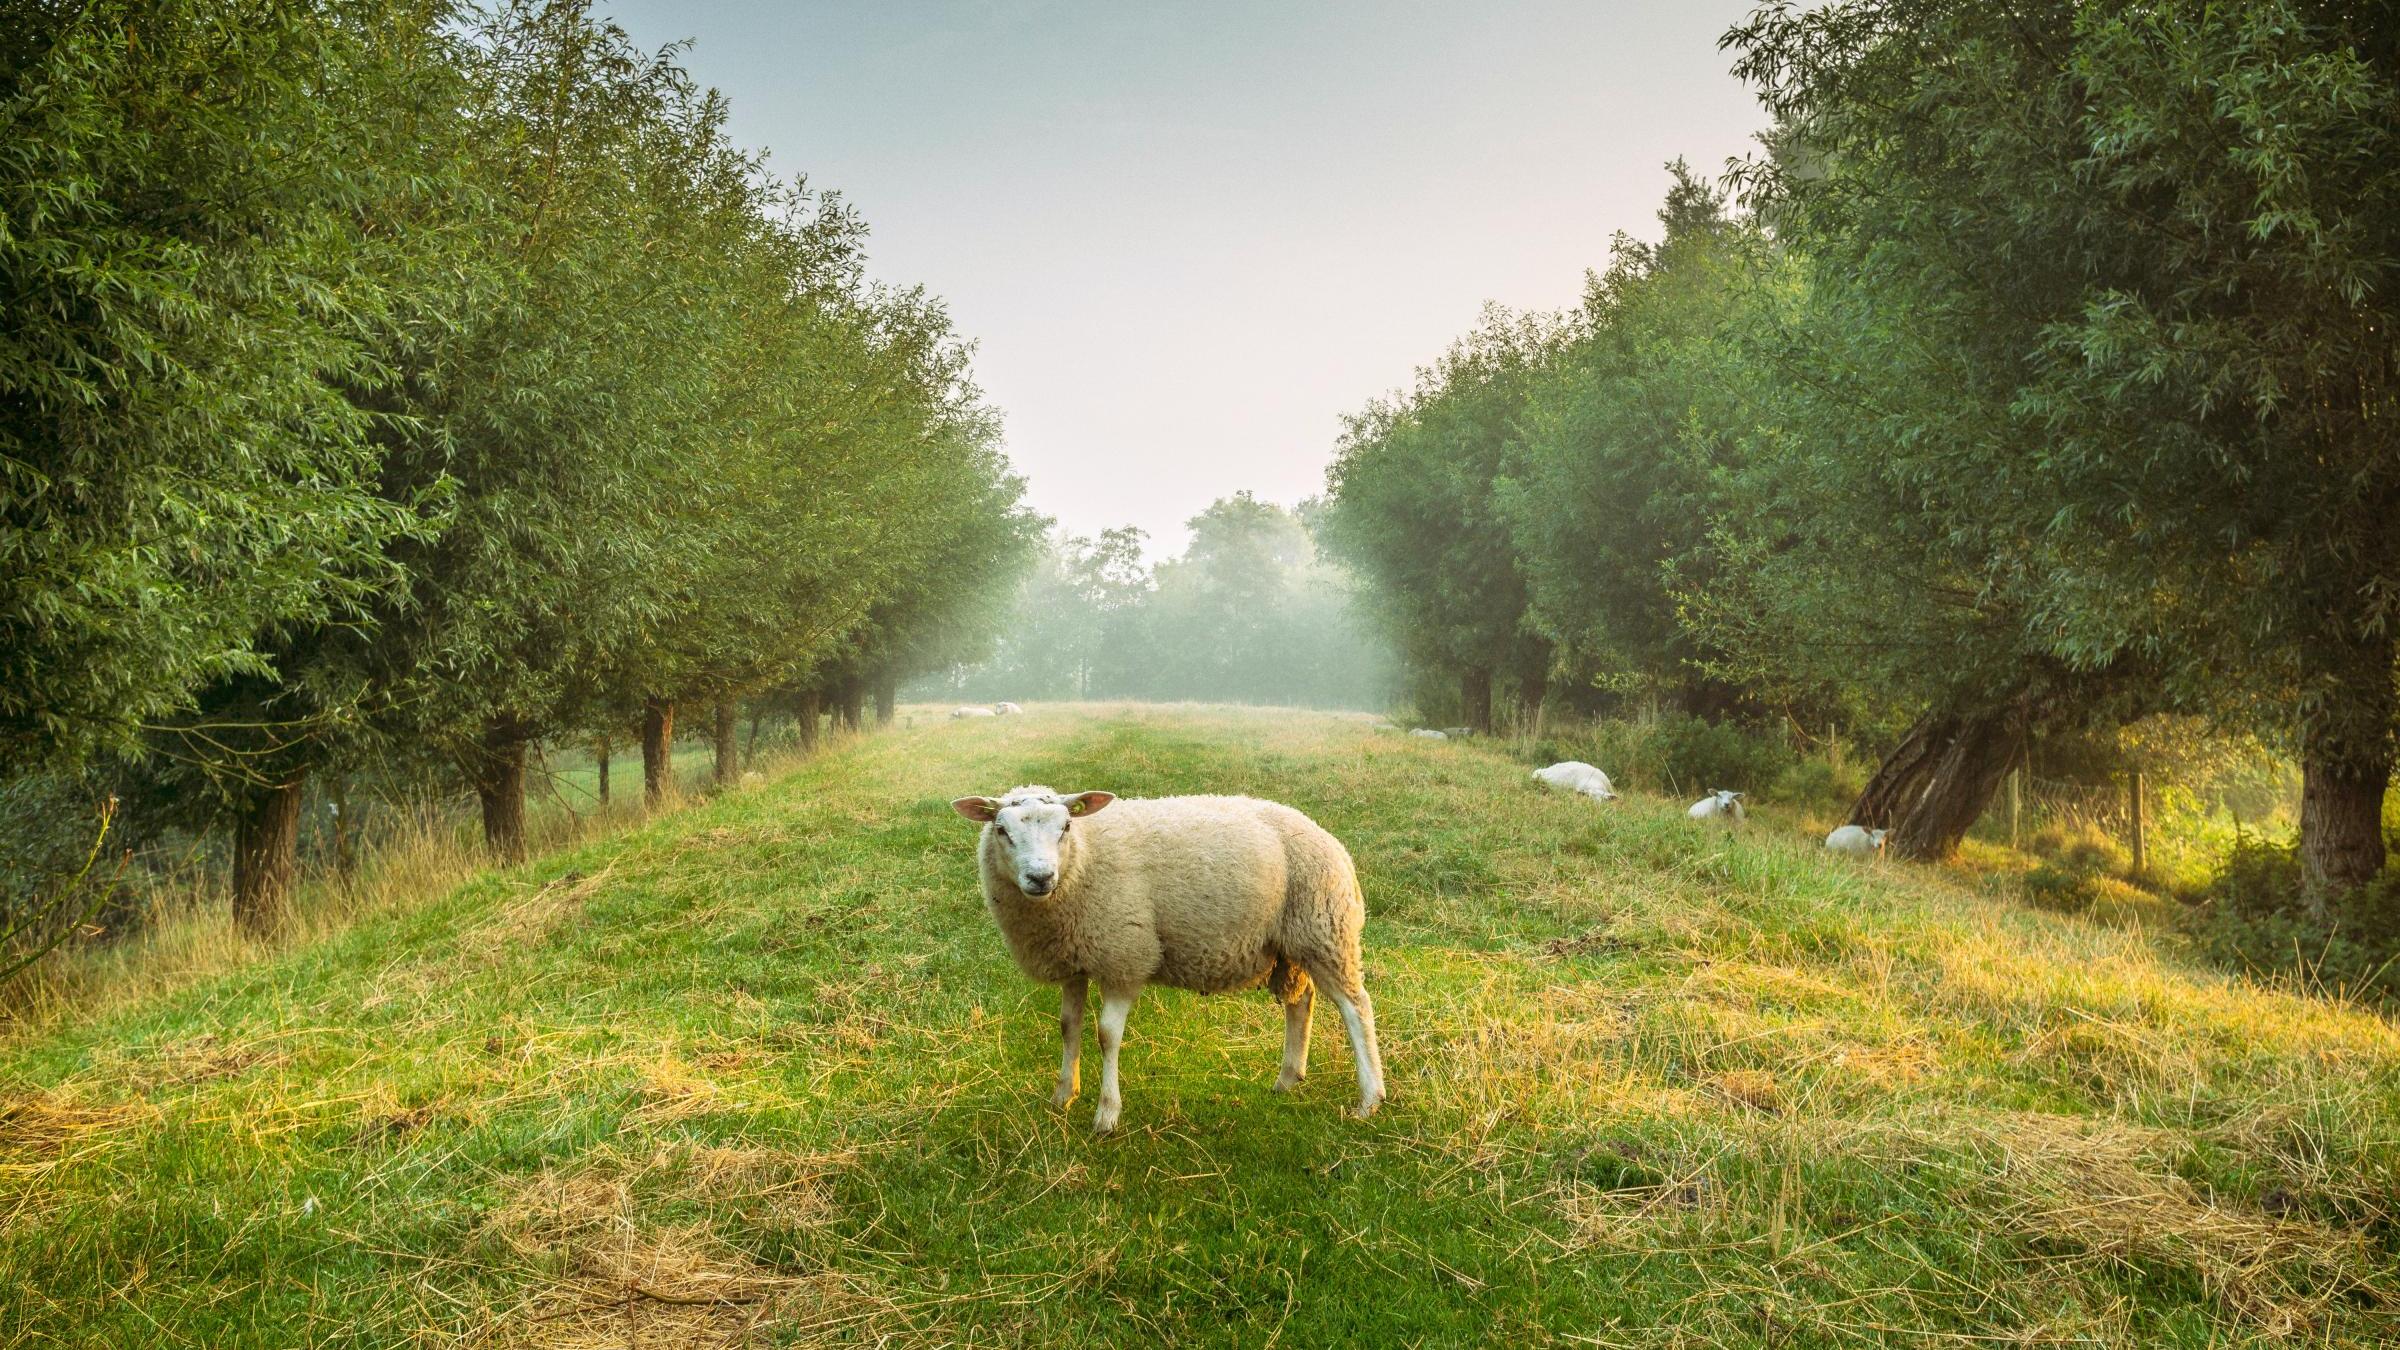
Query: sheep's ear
x=976 y=808
x=1085 y=803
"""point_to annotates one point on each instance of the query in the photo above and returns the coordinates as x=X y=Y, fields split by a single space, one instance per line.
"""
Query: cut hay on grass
x=2102 y=1191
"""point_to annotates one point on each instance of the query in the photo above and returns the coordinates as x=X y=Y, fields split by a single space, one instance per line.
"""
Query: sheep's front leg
x=1073 y=996
x=1114 y=1005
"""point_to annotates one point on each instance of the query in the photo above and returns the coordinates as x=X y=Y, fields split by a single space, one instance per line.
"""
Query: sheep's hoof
x=1288 y=1081
x=1366 y=1108
x=1104 y=1121
x=1062 y=1094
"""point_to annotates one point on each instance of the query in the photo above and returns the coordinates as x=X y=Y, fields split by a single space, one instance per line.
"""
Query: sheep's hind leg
x=1298 y=1002
x=1114 y=1005
x=1358 y=1014
x=1073 y=997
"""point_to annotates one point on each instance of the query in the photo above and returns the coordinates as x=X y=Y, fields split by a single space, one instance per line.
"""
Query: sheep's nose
x=1038 y=883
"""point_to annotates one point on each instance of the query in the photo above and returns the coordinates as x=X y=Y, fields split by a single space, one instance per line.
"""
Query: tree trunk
x=345 y=832
x=1475 y=700
x=850 y=704
x=658 y=749
x=498 y=769
x=812 y=708
x=600 y=762
x=750 y=744
x=2346 y=768
x=887 y=698
x=1902 y=777
x=266 y=858
x=1532 y=690
x=2341 y=819
x=1966 y=773
x=729 y=753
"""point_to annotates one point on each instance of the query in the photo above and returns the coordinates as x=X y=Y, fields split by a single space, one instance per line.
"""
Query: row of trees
x=2048 y=380
x=1246 y=614
x=387 y=381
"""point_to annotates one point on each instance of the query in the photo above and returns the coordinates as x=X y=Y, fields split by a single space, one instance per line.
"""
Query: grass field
x=760 y=1073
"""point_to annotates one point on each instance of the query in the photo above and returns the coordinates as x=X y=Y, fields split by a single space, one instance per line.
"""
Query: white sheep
x=1856 y=840
x=1212 y=894
x=1429 y=734
x=970 y=711
x=1577 y=776
x=1006 y=709
x=1719 y=805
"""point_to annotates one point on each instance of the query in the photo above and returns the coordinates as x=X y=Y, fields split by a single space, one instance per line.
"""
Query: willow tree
x=1610 y=484
x=196 y=273
x=2155 y=248
x=1410 y=507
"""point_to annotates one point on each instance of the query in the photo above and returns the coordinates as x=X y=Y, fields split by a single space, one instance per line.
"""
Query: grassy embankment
x=760 y=1072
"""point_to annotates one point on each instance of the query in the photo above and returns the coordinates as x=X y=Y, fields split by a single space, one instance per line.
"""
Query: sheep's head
x=1026 y=830
x=1876 y=837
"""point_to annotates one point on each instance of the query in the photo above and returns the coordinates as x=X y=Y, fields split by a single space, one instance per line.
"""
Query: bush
x=1695 y=756
x=1677 y=754
x=2081 y=848
x=1820 y=782
x=2252 y=918
x=2062 y=887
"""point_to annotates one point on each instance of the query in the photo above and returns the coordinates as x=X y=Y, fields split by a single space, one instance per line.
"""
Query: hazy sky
x=1187 y=238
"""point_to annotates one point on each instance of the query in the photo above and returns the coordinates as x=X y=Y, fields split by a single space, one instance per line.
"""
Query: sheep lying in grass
x=1429 y=734
x=1856 y=840
x=1577 y=776
x=1213 y=894
x=1719 y=805
x=1006 y=709
x=970 y=710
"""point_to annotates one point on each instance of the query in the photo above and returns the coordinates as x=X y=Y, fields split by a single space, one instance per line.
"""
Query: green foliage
x=1412 y=507
x=200 y=280
x=2256 y=917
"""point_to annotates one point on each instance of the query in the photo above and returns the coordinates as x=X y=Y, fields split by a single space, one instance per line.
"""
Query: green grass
x=760 y=1072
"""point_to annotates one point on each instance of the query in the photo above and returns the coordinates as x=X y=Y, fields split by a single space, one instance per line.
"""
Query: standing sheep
x=1212 y=894
x=1856 y=840
x=1577 y=776
x=1719 y=805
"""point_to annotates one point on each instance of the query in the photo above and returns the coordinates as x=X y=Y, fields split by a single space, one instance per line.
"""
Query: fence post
x=2141 y=850
x=2016 y=803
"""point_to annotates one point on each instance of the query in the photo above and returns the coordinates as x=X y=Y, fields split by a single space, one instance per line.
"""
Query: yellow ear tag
x=1076 y=807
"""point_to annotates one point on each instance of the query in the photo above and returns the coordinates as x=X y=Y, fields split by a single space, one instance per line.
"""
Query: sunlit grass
x=762 y=1069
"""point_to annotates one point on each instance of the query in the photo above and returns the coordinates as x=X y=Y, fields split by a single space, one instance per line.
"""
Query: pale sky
x=1188 y=238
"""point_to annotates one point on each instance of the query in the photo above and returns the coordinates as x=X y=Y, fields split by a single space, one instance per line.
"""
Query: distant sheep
x=1719 y=805
x=1856 y=840
x=970 y=711
x=1006 y=709
x=1429 y=734
x=1577 y=776
x=1213 y=894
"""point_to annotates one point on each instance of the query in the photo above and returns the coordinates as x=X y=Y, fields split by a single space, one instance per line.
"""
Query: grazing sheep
x=1856 y=840
x=1719 y=805
x=970 y=711
x=1429 y=734
x=1006 y=709
x=1212 y=894
x=1577 y=776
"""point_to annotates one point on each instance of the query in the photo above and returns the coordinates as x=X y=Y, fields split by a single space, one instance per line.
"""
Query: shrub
x=1696 y=755
x=2062 y=887
x=2252 y=918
